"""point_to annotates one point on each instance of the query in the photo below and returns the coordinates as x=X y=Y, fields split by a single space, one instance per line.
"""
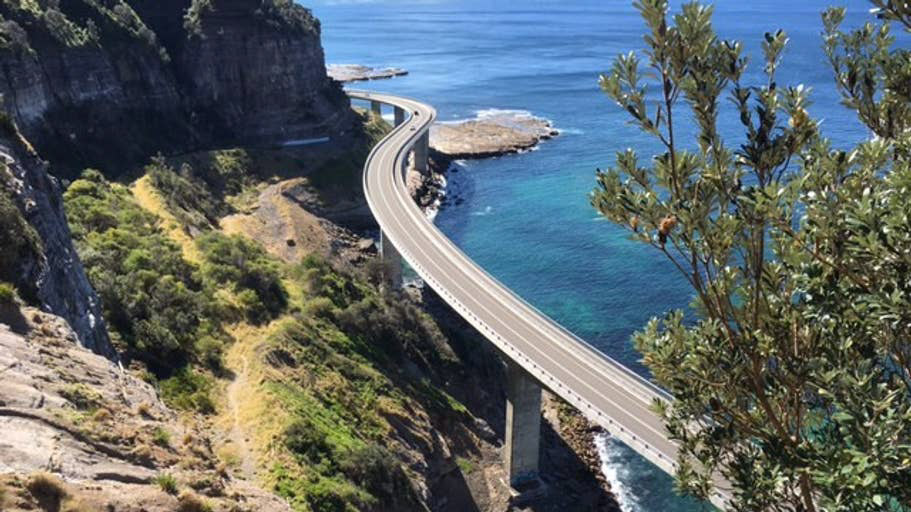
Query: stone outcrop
x=493 y=134
x=46 y=271
x=107 y=84
x=359 y=73
x=286 y=229
x=99 y=437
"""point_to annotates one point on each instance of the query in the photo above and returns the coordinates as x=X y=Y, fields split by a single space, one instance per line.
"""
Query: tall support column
x=376 y=107
x=399 y=116
x=421 y=153
x=392 y=261
x=523 y=426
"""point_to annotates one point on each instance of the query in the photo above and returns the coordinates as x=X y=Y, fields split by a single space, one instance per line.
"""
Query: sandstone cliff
x=36 y=252
x=106 y=83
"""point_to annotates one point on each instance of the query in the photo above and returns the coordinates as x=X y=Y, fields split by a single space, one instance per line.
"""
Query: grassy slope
x=336 y=387
x=150 y=200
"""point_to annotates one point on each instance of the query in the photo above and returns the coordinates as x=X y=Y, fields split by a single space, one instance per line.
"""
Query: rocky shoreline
x=357 y=73
x=493 y=133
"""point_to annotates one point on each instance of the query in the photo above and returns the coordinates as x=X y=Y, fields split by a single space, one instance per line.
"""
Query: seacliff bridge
x=540 y=353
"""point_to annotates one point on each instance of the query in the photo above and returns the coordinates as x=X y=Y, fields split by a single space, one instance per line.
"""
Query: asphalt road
x=605 y=391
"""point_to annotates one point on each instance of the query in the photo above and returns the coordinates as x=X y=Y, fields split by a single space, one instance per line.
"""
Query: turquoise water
x=526 y=218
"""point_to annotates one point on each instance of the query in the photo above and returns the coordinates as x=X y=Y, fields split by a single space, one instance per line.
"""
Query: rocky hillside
x=106 y=83
x=254 y=379
x=80 y=434
x=36 y=251
x=249 y=355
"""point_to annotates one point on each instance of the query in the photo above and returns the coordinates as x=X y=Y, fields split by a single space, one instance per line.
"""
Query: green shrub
x=244 y=266
x=287 y=13
x=229 y=171
x=465 y=465
x=188 y=199
x=319 y=493
x=7 y=294
x=320 y=307
x=308 y=441
x=161 y=437
x=167 y=482
x=375 y=470
x=188 y=390
x=321 y=280
x=389 y=328
x=82 y=396
x=19 y=242
x=152 y=299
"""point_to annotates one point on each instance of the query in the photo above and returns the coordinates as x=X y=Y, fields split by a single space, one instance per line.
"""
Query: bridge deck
x=605 y=391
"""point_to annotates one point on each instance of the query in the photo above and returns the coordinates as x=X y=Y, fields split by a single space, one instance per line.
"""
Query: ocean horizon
x=526 y=218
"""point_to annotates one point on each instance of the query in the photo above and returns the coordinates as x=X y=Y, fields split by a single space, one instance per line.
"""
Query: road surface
x=605 y=391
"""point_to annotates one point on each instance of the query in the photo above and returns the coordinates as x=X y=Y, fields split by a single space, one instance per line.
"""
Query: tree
x=794 y=381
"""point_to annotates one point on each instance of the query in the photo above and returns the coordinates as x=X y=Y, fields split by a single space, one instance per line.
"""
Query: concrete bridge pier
x=523 y=432
x=376 y=107
x=392 y=261
x=399 y=116
x=422 y=153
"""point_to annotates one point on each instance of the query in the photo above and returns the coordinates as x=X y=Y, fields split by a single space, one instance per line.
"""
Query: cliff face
x=108 y=83
x=104 y=83
x=44 y=265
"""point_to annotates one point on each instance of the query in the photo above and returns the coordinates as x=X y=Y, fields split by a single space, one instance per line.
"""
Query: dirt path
x=150 y=199
x=237 y=436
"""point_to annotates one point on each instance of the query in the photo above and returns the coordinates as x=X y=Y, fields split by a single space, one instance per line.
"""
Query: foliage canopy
x=794 y=382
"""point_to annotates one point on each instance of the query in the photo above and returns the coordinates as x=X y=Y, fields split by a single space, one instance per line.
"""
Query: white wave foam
x=498 y=112
x=433 y=210
x=486 y=211
x=571 y=131
x=614 y=471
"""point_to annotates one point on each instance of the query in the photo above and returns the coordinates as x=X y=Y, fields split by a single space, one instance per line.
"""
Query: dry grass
x=260 y=414
x=75 y=505
x=166 y=482
x=48 y=490
x=144 y=410
x=102 y=415
x=150 y=199
x=191 y=502
x=5 y=495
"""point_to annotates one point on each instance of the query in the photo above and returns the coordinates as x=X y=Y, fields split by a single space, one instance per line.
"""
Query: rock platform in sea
x=359 y=73
x=491 y=134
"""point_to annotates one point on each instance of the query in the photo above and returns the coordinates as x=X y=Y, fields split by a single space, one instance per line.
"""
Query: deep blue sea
x=526 y=218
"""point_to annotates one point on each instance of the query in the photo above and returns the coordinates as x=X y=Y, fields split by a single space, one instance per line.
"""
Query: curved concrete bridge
x=540 y=352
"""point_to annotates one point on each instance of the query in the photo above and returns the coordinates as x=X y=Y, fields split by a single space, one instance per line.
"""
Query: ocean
x=526 y=218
